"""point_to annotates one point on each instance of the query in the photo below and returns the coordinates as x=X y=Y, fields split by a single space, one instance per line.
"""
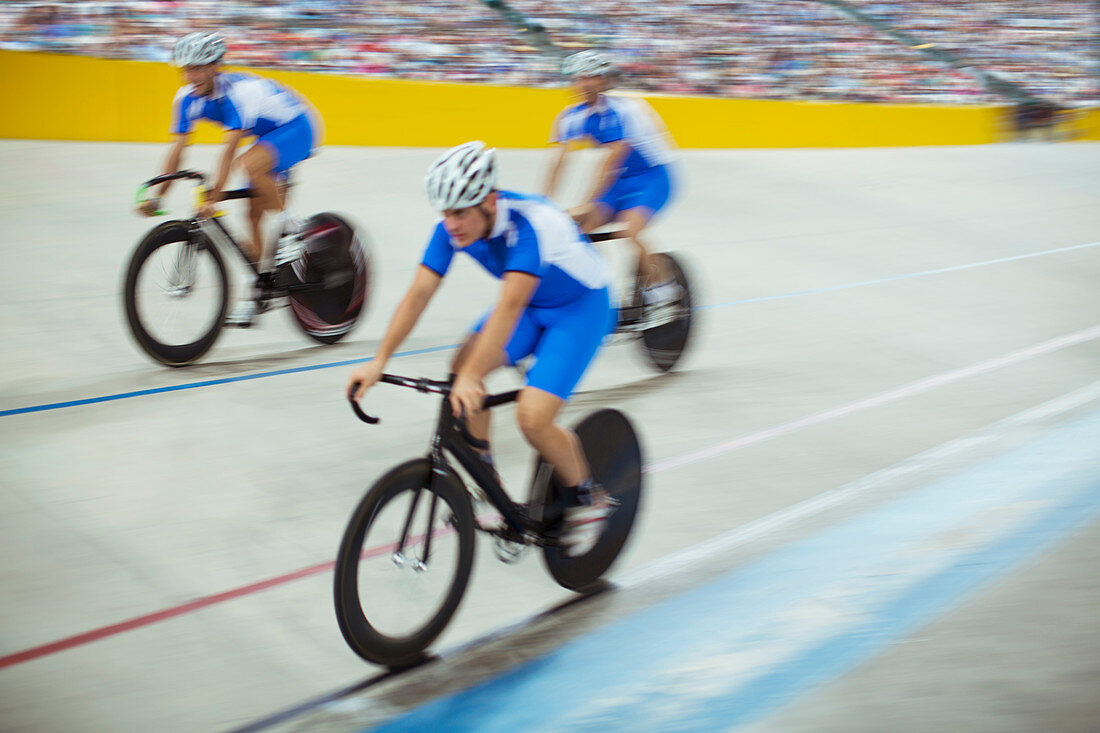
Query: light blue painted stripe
x=738 y=647
x=905 y=276
x=210 y=382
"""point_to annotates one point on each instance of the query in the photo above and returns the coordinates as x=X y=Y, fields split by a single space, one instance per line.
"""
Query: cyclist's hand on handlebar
x=366 y=376
x=149 y=207
x=467 y=394
x=209 y=207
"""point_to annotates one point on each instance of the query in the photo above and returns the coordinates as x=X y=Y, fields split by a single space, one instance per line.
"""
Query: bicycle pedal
x=507 y=551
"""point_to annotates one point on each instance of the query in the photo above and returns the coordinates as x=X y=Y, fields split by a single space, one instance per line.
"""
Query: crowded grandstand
x=782 y=49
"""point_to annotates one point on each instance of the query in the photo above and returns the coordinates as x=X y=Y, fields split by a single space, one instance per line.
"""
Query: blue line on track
x=315 y=367
x=210 y=382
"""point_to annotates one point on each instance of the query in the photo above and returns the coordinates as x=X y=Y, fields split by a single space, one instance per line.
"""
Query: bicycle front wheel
x=176 y=294
x=404 y=563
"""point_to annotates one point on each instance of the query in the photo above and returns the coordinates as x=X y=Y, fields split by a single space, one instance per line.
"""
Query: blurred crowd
x=761 y=49
x=779 y=49
x=447 y=40
x=1052 y=49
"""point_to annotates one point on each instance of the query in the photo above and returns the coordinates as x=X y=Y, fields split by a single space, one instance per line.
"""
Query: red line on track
x=199 y=603
x=152 y=618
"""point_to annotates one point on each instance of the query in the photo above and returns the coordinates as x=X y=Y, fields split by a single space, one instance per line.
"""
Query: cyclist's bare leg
x=535 y=413
x=258 y=163
x=255 y=221
x=590 y=216
x=649 y=268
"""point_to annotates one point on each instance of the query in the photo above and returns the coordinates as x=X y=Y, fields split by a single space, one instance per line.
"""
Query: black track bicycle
x=407 y=553
x=663 y=331
x=176 y=292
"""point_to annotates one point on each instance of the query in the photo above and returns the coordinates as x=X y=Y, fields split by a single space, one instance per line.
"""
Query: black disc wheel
x=664 y=343
x=330 y=284
x=403 y=564
x=615 y=457
x=176 y=294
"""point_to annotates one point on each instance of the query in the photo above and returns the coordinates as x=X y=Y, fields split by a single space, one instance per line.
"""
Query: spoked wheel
x=394 y=597
x=331 y=283
x=665 y=343
x=615 y=457
x=176 y=294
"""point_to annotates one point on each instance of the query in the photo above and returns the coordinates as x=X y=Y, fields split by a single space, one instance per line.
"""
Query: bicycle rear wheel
x=394 y=598
x=176 y=294
x=663 y=345
x=332 y=281
x=615 y=457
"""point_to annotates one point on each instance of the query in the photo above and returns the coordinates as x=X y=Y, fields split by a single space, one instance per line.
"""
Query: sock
x=288 y=223
x=249 y=289
x=582 y=491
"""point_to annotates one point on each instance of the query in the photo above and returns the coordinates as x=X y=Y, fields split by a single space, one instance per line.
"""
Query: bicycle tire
x=329 y=311
x=614 y=455
x=664 y=345
x=363 y=636
x=176 y=355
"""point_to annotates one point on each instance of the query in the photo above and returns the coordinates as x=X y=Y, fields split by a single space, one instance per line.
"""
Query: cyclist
x=635 y=180
x=287 y=131
x=554 y=303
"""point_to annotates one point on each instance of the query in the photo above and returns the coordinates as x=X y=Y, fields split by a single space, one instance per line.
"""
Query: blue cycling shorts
x=564 y=340
x=650 y=189
x=291 y=143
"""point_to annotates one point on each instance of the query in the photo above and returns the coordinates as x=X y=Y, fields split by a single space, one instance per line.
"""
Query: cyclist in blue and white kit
x=554 y=304
x=636 y=179
x=287 y=131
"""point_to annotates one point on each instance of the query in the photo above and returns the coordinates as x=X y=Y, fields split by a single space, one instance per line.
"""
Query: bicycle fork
x=400 y=559
x=181 y=278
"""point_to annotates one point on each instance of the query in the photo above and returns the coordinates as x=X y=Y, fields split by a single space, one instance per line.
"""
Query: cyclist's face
x=588 y=87
x=469 y=224
x=202 y=77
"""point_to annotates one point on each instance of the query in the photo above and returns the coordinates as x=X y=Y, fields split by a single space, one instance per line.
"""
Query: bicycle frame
x=451 y=436
x=210 y=227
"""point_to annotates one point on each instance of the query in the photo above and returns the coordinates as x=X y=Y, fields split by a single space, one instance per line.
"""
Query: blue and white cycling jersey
x=239 y=102
x=615 y=118
x=530 y=235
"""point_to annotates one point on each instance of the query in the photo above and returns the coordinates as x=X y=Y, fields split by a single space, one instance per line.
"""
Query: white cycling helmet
x=198 y=49
x=461 y=177
x=588 y=63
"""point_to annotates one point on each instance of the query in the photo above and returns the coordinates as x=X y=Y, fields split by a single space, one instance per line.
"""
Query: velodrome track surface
x=898 y=361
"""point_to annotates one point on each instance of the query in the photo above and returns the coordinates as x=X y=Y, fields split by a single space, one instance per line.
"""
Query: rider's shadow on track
x=226 y=364
x=229 y=365
x=624 y=392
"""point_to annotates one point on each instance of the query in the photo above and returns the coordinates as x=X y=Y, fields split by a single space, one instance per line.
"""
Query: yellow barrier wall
x=1087 y=125
x=58 y=97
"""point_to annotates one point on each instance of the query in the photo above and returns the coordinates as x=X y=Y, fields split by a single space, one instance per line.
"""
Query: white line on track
x=882 y=398
x=727 y=541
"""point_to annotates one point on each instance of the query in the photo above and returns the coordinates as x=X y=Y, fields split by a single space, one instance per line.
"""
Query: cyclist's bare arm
x=557 y=166
x=489 y=347
x=149 y=206
x=616 y=154
x=425 y=283
x=232 y=141
x=175 y=158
